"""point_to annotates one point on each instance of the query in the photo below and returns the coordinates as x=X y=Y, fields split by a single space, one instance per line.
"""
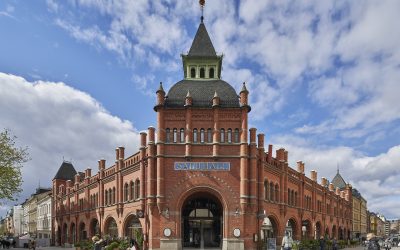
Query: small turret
x=244 y=93
x=160 y=96
x=188 y=99
x=215 y=100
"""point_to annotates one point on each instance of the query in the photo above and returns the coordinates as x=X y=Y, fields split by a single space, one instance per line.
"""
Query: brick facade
x=259 y=193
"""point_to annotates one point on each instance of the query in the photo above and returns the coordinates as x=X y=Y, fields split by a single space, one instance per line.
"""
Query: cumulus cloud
x=376 y=177
x=56 y=121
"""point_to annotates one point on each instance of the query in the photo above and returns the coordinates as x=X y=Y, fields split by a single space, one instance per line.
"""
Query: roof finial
x=202 y=3
x=337 y=168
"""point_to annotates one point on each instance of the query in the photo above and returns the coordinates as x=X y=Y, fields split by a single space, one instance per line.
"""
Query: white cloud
x=55 y=120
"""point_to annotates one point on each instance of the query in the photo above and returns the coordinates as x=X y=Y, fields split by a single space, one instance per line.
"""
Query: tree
x=11 y=160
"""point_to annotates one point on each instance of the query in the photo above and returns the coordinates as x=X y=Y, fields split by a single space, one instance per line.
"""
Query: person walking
x=287 y=242
x=334 y=244
x=322 y=243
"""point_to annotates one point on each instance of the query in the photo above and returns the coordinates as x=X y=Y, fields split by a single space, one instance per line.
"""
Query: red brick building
x=206 y=181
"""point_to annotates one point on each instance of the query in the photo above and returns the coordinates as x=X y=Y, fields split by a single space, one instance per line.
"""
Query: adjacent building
x=359 y=212
x=44 y=220
x=201 y=179
x=18 y=217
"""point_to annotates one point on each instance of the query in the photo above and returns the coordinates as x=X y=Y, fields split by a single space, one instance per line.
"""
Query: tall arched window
x=292 y=196
x=193 y=72
x=137 y=196
x=167 y=135
x=236 y=135
x=175 y=136
x=229 y=135
x=271 y=191
x=195 y=135
x=109 y=196
x=126 y=192
x=182 y=135
x=202 y=73
x=295 y=198
x=202 y=135
x=113 y=195
x=222 y=135
x=209 y=135
x=265 y=190
x=106 y=198
x=211 y=73
x=276 y=193
x=289 y=197
x=132 y=192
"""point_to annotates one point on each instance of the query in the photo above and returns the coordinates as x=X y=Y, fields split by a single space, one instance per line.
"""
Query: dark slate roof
x=202 y=45
x=202 y=93
x=338 y=181
x=66 y=171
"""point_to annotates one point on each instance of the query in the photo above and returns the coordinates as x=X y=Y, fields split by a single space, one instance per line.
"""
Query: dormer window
x=192 y=72
x=211 y=73
x=202 y=73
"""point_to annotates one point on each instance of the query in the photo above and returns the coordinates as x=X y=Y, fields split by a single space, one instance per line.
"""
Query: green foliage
x=86 y=245
x=124 y=244
x=77 y=244
x=11 y=160
x=139 y=237
x=113 y=245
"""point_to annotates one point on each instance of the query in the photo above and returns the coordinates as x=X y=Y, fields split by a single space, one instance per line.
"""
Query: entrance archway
x=133 y=229
x=73 y=233
x=94 y=228
x=290 y=228
x=269 y=228
x=82 y=231
x=111 y=227
x=202 y=221
x=318 y=230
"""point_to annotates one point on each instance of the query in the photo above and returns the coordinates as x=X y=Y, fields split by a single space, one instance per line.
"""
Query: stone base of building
x=168 y=244
x=232 y=244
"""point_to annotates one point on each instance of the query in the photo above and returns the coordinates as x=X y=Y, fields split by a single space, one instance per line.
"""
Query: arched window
x=211 y=73
x=193 y=72
x=236 y=135
x=222 y=135
x=209 y=135
x=195 y=135
x=265 y=190
x=276 y=193
x=137 y=196
x=295 y=198
x=175 y=136
x=113 y=199
x=292 y=196
x=97 y=200
x=289 y=197
x=132 y=192
x=109 y=196
x=271 y=191
x=167 y=135
x=126 y=192
x=229 y=135
x=182 y=135
x=106 y=197
x=202 y=73
x=202 y=135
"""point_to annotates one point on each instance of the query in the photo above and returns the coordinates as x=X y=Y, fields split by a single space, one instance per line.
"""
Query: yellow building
x=359 y=215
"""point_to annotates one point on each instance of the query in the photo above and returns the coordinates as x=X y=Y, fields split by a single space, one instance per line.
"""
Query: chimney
x=116 y=154
x=286 y=153
x=160 y=95
x=337 y=191
x=300 y=167
x=346 y=197
x=88 y=173
x=331 y=187
x=143 y=136
x=253 y=135
x=151 y=131
x=324 y=181
x=121 y=153
x=77 y=178
x=280 y=154
x=314 y=175
x=260 y=140
x=341 y=194
x=269 y=152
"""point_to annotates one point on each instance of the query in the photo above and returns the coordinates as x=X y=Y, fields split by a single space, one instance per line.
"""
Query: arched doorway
x=82 y=231
x=73 y=233
x=65 y=234
x=133 y=229
x=111 y=227
x=58 y=243
x=269 y=228
x=327 y=233
x=202 y=221
x=306 y=229
x=94 y=227
x=290 y=228
x=318 y=230
x=333 y=231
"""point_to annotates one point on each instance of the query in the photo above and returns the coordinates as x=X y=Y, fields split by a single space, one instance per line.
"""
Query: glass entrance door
x=202 y=227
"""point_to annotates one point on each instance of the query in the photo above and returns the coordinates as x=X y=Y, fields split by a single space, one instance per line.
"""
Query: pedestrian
x=334 y=244
x=287 y=242
x=33 y=244
x=322 y=243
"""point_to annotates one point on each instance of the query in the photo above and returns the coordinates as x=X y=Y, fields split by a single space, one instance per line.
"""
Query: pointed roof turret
x=338 y=181
x=66 y=171
x=188 y=94
x=216 y=94
x=244 y=89
x=202 y=45
x=160 y=88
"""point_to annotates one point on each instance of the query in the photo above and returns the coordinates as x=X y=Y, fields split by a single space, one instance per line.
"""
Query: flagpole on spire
x=202 y=3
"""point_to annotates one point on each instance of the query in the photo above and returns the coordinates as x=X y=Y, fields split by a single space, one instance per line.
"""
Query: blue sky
x=78 y=77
